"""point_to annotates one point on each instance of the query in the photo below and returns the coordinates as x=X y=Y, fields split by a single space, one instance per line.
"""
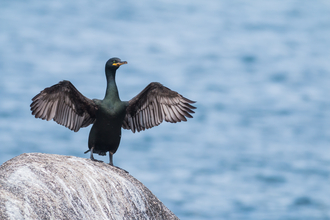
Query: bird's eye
x=114 y=61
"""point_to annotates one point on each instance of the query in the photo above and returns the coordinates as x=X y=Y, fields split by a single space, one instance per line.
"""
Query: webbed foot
x=92 y=157
x=120 y=168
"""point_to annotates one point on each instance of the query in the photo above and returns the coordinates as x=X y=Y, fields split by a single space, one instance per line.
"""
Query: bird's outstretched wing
x=64 y=104
x=153 y=105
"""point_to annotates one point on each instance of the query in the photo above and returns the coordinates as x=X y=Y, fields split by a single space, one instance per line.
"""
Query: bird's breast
x=114 y=112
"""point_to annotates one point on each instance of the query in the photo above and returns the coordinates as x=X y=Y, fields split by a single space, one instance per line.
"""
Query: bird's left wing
x=66 y=105
x=153 y=105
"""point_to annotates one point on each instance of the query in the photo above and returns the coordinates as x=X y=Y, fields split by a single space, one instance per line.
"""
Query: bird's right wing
x=64 y=104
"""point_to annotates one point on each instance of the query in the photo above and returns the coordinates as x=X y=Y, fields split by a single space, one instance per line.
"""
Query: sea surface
x=258 y=146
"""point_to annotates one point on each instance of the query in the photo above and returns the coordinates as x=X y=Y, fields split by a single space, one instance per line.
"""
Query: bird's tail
x=87 y=151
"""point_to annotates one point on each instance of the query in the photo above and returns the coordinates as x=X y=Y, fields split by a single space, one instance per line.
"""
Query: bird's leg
x=111 y=162
x=111 y=158
x=92 y=157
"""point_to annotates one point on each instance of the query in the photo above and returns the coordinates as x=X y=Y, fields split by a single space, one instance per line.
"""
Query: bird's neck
x=111 y=93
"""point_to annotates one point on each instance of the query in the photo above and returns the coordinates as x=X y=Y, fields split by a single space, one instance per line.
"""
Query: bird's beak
x=119 y=64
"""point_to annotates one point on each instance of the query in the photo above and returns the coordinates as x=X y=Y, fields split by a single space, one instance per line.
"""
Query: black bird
x=64 y=104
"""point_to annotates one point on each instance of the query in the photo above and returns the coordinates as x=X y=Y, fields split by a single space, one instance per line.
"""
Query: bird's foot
x=93 y=159
x=119 y=168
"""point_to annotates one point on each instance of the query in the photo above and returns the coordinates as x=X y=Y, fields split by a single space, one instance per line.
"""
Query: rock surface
x=43 y=186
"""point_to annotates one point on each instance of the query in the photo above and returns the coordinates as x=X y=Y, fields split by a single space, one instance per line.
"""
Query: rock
x=43 y=186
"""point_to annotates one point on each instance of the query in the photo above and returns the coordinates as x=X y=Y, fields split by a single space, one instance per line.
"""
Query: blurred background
x=258 y=145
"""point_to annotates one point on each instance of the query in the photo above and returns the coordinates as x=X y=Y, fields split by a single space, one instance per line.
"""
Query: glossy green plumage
x=64 y=104
x=105 y=134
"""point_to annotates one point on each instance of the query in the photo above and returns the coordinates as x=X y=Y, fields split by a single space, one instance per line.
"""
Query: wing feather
x=155 y=104
x=64 y=104
x=52 y=111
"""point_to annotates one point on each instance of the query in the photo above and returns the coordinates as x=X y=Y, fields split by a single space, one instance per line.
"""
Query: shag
x=64 y=104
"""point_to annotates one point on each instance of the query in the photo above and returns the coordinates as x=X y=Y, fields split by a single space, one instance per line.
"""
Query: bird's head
x=114 y=63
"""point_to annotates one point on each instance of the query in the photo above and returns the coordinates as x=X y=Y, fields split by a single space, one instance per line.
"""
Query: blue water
x=259 y=145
